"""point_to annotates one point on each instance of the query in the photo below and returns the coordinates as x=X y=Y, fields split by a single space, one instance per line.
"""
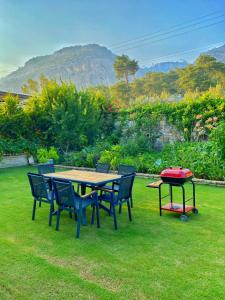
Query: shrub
x=218 y=136
x=43 y=154
x=19 y=146
x=203 y=158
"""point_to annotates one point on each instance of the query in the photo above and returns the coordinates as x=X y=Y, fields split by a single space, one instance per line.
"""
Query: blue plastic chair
x=102 y=167
x=122 y=170
x=126 y=170
x=46 y=168
x=41 y=193
x=67 y=199
x=114 y=198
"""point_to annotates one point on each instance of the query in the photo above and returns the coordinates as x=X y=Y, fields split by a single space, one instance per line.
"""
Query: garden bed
x=152 y=176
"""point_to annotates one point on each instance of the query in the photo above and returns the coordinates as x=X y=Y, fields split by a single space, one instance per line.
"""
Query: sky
x=148 y=31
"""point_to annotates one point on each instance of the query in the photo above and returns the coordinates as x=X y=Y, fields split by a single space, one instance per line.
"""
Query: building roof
x=22 y=97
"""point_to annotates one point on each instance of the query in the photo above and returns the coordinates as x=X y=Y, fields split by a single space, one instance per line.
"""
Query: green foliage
x=34 y=86
x=206 y=72
x=13 y=120
x=218 y=137
x=121 y=91
x=14 y=147
x=183 y=114
x=67 y=118
x=203 y=159
x=43 y=154
x=88 y=156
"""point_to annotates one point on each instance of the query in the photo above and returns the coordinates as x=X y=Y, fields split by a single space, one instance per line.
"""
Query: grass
x=151 y=258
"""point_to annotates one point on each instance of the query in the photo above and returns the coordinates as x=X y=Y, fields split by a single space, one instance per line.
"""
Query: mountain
x=218 y=53
x=162 y=67
x=83 y=65
x=87 y=65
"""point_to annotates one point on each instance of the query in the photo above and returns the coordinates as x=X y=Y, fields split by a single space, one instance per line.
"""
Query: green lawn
x=151 y=258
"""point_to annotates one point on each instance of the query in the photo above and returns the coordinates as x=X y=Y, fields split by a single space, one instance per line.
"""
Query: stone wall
x=168 y=134
x=15 y=161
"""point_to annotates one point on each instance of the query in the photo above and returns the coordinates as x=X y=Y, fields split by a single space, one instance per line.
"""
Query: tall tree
x=205 y=73
x=124 y=67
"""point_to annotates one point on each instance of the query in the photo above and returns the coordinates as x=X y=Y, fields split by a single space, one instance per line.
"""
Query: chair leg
x=110 y=209
x=97 y=215
x=70 y=214
x=34 y=209
x=129 y=210
x=84 y=216
x=50 y=215
x=120 y=208
x=93 y=214
x=75 y=214
x=131 y=201
x=58 y=219
x=79 y=217
x=114 y=216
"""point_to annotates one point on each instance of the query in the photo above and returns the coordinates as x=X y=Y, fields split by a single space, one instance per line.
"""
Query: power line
x=175 y=35
x=205 y=48
x=160 y=32
x=208 y=47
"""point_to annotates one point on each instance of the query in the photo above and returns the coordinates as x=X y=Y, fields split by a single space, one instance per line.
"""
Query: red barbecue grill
x=177 y=177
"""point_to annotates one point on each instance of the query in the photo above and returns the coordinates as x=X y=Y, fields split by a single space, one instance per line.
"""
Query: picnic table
x=84 y=178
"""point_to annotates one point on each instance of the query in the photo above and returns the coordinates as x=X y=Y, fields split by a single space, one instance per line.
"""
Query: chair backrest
x=102 y=167
x=46 y=168
x=125 y=186
x=64 y=193
x=126 y=170
x=38 y=185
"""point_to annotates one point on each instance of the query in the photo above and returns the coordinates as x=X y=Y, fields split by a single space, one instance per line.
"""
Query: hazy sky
x=33 y=28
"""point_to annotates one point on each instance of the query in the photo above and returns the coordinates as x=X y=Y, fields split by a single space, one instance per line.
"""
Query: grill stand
x=176 y=207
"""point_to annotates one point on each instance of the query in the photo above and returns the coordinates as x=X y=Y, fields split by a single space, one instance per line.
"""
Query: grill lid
x=176 y=172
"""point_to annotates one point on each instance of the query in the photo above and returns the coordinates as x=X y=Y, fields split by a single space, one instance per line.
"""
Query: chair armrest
x=115 y=183
x=105 y=190
x=88 y=195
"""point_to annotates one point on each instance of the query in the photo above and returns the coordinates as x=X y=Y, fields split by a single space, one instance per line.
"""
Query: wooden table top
x=87 y=177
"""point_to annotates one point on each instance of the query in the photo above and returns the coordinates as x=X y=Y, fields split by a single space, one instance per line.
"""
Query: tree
x=205 y=73
x=12 y=118
x=124 y=67
x=69 y=119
